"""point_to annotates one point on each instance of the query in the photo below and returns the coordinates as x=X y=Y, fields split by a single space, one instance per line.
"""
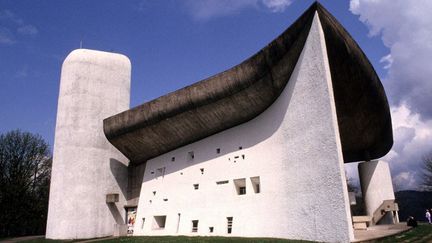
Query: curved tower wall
x=94 y=85
x=292 y=150
x=376 y=184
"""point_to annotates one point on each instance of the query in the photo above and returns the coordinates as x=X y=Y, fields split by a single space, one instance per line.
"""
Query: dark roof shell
x=213 y=104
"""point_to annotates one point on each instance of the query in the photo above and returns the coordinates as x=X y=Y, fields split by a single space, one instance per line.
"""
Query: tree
x=25 y=170
x=427 y=172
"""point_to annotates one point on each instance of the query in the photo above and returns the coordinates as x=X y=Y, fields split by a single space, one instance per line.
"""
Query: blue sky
x=174 y=43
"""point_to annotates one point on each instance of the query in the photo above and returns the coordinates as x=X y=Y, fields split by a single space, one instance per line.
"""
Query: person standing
x=428 y=216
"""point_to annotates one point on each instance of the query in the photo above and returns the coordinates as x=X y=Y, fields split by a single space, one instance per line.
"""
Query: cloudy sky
x=174 y=43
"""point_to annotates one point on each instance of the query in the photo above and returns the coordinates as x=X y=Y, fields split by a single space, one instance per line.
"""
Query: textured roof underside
x=241 y=93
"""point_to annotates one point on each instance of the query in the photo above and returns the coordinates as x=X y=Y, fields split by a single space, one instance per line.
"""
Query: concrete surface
x=294 y=149
x=86 y=167
x=376 y=185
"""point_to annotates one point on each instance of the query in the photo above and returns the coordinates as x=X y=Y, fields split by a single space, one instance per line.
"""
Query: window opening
x=143 y=221
x=191 y=155
x=211 y=229
x=221 y=182
x=240 y=147
x=256 y=184
x=165 y=199
x=196 y=186
x=243 y=156
x=202 y=171
x=194 y=225
x=240 y=185
x=160 y=172
x=229 y=224
x=154 y=193
x=218 y=150
x=172 y=159
x=178 y=222
x=159 y=222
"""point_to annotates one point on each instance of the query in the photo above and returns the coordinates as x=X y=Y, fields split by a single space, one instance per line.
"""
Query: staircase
x=362 y=222
x=383 y=209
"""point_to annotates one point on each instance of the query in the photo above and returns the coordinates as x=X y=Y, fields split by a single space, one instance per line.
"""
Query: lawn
x=422 y=233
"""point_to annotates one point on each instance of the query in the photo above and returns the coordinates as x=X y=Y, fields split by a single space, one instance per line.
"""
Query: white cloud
x=29 y=30
x=207 y=9
x=12 y=23
x=405 y=28
x=6 y=37
x=277 y=5
x=10 y=16
x=412 y=140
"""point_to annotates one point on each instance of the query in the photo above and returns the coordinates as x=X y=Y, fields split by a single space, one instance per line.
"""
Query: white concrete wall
x=294 y=148
x=86 y=167
x=376 y=185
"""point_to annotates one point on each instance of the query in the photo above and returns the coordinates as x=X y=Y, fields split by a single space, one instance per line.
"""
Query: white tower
x=86 y=167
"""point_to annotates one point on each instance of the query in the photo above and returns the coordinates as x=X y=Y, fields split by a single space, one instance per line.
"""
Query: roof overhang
x=243 y=92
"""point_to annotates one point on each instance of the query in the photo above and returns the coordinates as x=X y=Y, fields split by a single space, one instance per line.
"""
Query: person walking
x=428 y=216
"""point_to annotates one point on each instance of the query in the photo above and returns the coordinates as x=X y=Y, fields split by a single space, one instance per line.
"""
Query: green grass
x=420 y=234
x=195 y=239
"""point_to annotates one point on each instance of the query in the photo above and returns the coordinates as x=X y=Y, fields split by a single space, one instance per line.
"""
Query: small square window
x=202 y=171
x=211 y=229
x=218 y=150
x=240 y=147
x=196 y=186
x=242 y=190
x=194 y=225
x=191 y=155
x=173 y=159
x=159 y=222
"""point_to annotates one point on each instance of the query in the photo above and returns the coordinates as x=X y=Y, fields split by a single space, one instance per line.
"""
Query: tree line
x=25 y=170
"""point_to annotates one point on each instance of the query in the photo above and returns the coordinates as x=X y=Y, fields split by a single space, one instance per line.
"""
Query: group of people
x=412 y=222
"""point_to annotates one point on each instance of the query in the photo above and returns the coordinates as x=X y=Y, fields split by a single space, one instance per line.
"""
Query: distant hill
x=413 y=203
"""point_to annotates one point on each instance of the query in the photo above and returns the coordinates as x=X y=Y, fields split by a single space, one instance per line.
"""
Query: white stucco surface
x=376 y=185
x=293 y=147
x=86 y=167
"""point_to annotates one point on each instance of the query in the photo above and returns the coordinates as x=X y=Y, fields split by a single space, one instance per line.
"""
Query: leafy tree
x=427 y=172
x=25 y=170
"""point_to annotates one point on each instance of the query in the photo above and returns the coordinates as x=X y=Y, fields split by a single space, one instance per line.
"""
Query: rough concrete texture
x=293 y=147
x=376 y=185
x=86 y=167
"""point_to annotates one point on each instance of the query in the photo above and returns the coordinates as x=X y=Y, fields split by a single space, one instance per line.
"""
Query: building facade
x=256 y=151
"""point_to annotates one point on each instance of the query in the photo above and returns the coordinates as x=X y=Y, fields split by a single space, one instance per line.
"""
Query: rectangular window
x=221 y=182
x=240 y=186
x=218 y=150
x=191 y=155
x=159 y=222
x=196 y=186
x=160 y=172
x=211 y=229
x=229 y=224
x=194 y=225
x=143 y=221
x=172 y=159
x=256 y=184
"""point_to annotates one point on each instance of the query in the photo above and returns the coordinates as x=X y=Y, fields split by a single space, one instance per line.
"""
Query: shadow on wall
x=258 y=129
x=120 y=173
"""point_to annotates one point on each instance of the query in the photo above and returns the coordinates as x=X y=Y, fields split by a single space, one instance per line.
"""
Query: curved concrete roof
x=241 y=93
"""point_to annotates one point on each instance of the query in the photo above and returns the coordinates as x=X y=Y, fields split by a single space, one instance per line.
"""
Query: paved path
x=379 y=231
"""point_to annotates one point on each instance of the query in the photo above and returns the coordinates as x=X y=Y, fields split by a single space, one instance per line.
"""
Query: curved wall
x=302 y=191
x=86 y=167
